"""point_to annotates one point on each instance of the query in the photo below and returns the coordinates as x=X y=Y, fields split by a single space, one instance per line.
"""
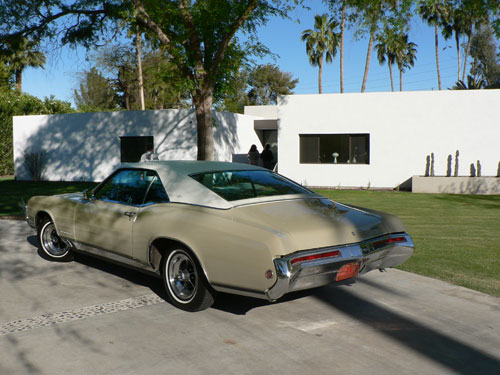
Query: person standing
x=267 y=157
x=253 y=155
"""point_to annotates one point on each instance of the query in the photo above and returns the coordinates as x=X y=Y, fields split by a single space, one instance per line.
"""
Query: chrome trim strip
x=370 y=255
x=239 y=291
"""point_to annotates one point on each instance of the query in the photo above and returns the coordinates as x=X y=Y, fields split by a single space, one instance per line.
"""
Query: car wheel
x=185 y=282
x=53 y=246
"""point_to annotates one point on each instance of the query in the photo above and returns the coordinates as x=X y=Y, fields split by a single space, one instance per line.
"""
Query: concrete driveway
x=88 y=317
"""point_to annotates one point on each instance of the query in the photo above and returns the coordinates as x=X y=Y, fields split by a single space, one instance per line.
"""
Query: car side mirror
x=88 y=195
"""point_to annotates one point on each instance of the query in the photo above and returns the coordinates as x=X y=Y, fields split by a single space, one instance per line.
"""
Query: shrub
x=35 y=162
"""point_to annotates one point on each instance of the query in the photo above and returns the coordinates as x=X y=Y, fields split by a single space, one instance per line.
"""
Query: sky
x=60 y=76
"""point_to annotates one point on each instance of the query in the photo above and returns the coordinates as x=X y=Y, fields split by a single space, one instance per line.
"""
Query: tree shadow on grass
x=483 y=201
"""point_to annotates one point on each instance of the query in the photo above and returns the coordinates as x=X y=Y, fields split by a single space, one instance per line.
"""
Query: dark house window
x=131 y=148
x=334 y=148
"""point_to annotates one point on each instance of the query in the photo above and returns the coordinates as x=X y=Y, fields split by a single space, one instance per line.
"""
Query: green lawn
x=457 y=237
x=13 y=193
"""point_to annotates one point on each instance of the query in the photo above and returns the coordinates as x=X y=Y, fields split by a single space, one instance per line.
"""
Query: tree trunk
x=467 y=52
x=342 y=33
x=320 y=73
x=400 y=79
x=138 y=40
x=203 y=105
x=390 y=74
x=436 y=36
x=457 y=40
x=127 y=98
x=368 y=56
x=19 y=80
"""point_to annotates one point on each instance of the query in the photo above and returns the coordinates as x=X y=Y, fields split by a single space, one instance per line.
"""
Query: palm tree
x=473 y=83
x=435 y=13
x=22 y=54
x=371 y=14
x=386 y=50
x=406 y=54
x=321 y=41
x=456 y=26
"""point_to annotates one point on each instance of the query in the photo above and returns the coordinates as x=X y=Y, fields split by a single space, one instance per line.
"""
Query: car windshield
x=236 y=185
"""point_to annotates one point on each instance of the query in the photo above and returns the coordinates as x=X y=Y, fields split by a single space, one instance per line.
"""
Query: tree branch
x=143 y=17
x=46 y=20
x=233 y=28
x=194 y=40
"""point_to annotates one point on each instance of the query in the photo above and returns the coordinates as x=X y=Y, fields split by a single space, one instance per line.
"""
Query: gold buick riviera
x=208 y=227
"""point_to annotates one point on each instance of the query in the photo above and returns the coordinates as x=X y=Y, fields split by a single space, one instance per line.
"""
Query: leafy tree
x=163 y=84
x=236 y=97
x=475 y=15
x=199 y=36
x=485 y=64
x=267 y=82
x=322 y=41
x=95 y=93
x=20 y=54
x=14 y=103
x=6 y=82
x=435 y=13
x=259 y=85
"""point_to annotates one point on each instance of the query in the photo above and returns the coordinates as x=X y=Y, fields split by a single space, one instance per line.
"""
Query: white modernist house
x=89 y=146
x=382 y=139
x=347 y=140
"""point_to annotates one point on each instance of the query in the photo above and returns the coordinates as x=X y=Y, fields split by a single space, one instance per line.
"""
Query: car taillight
x=347 y=271
x=388 y=241
x=308 y=258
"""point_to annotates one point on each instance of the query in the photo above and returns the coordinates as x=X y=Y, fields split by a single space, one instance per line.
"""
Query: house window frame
x=305 y=158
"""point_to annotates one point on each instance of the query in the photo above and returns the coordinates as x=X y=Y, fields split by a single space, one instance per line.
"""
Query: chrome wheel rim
x=51 y=242
x=182 y=276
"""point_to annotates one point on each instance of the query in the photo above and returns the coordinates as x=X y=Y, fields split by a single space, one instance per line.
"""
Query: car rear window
x=237 y=185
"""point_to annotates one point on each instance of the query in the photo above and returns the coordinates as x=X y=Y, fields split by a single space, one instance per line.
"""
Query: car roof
x=181 y=188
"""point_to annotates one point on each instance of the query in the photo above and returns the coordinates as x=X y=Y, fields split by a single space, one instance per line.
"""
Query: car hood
x=318 y=222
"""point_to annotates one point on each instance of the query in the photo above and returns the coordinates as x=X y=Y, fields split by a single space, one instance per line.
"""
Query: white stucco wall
x=87 y=146
x=404 y=128
x=264 y=111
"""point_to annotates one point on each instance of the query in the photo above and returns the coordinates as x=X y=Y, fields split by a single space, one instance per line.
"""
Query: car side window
x=126 y=186
x=156 y=193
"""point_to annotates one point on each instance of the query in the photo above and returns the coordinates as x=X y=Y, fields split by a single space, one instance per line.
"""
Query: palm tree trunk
x=400 y=79
x=138 y=40
x=436 y=37
x=457 y=40
x=342 y=33
x=467 y=52
x=368 y=56
x=320 y=73
x=390 y=74
x=19 y=80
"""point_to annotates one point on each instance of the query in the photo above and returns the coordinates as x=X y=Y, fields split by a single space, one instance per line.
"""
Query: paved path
x=88 y=317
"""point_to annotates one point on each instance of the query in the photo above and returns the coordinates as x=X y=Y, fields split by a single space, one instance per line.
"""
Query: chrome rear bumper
x=377 y=253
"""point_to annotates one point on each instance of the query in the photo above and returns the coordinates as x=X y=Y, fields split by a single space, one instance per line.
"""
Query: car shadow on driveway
x=438 y=347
